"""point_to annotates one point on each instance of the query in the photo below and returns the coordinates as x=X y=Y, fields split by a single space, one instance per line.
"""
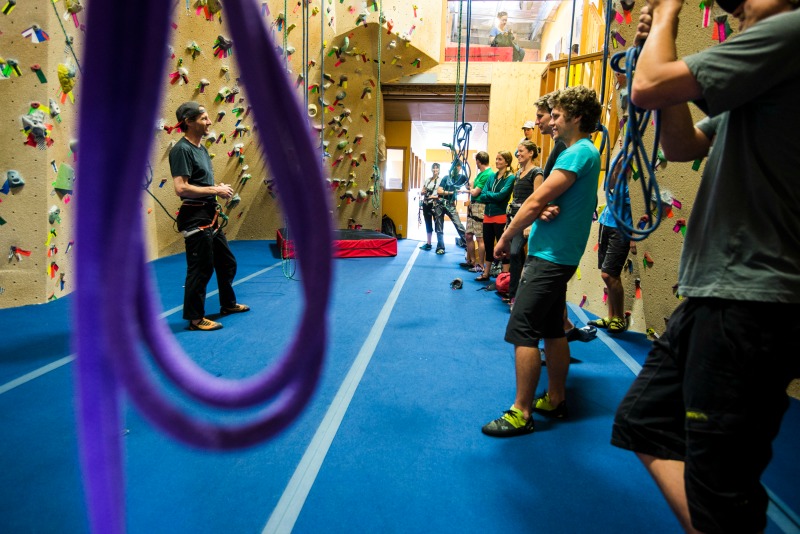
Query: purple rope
x=122 y=92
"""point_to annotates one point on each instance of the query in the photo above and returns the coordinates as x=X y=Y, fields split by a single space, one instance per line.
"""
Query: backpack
x=503 y=282
x=387 y=226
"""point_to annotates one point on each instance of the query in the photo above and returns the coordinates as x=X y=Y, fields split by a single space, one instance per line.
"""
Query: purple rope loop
x=115 y=302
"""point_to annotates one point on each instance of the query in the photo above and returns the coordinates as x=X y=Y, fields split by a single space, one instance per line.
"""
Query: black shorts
x=712 y=393
x=538 y=311
x=612 y=251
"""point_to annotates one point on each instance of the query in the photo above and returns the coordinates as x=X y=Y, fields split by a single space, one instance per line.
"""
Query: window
x=393 y=177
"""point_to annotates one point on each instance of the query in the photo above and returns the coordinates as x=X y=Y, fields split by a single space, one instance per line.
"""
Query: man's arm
x=661 y=79
x=680 y=139
x=555 y=185
x=186 y=190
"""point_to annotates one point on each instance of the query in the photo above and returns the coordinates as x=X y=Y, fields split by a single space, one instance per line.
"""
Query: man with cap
x=527 y=130
x=709 y=400
x=207 y=249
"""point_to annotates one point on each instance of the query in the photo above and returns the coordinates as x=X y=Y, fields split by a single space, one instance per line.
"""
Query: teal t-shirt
x=563 y=240
x=480 y=180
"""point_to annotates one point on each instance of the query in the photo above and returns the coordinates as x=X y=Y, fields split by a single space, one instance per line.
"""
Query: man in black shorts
x=207 y=249
x=710 y=397
x=555 y=248
x=612 y=252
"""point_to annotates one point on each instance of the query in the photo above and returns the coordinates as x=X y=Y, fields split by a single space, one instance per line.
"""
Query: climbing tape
x=634 y=151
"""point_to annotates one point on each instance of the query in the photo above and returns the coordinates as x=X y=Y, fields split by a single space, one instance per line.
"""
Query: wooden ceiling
x=434 y=103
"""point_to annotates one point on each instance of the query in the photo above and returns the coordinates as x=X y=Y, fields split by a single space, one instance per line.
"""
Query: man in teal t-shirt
x=555 y=247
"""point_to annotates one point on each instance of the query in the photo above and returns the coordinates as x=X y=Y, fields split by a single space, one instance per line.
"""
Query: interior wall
x=395 y=203
x=42 y=268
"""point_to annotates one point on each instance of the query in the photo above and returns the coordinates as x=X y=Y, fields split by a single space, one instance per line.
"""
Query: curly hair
x=530 y=146
x=543 y=102
x=578 y=101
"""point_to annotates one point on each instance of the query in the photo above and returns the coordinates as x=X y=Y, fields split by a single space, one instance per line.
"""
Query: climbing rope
x=376 y=171
x=634 y=151
x=459 y=148
x=67 y=39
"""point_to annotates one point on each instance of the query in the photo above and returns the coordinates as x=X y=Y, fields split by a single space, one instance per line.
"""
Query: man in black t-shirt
x=207 y=249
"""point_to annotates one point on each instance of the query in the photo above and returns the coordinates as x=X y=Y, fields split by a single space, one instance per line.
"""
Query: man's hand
x=549 y=213
x=224 y=191
x=645 y=22
x=502 y=247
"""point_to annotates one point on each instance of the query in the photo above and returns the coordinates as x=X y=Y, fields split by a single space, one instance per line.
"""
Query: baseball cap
x=189 y=110
x=529 y=124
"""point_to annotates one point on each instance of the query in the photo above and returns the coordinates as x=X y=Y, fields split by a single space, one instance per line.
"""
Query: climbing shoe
x=600 y=323
x=239 y=308
x=587 y=333
x=205 y=324
x=440 y=251
x=511 y=423
x=426 y=246
x=617 y=325
x=543 y=406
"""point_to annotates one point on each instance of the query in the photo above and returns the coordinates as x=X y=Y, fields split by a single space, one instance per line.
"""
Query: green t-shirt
x=480 y=180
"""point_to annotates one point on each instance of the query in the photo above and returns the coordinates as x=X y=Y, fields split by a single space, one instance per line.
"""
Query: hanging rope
x=603 y=82
x=569 y=51
x=634 y=150
x=459 y=148
x=376 y=171
x=67 y=39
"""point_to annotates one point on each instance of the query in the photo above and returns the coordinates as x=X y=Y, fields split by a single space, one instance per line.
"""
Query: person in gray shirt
x=709 y=400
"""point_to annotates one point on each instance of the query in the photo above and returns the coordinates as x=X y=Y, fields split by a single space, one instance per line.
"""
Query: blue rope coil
x=634 y=150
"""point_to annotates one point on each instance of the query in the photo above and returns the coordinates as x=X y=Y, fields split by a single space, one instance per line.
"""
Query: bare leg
x=528 y=365
x=556 y=352
x=568 y=325
x=470 y=248
x=668 y=474
x=616 y=295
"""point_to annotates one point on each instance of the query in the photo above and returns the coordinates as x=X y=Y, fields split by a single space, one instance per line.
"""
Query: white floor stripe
x=294 y=496
x=24 y=379
x=778 y=511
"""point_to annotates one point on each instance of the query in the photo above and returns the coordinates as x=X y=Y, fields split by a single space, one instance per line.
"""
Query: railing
x=583 y=70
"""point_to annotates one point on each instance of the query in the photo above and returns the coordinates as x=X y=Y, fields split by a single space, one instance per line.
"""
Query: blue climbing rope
x=459 y=148
x=635 y=151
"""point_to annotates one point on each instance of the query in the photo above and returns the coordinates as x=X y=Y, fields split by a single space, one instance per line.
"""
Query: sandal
x=482 y=278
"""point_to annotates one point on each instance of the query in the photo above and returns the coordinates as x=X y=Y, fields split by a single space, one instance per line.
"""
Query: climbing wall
x=40 y=46
x=347 y=52
x=651 y=274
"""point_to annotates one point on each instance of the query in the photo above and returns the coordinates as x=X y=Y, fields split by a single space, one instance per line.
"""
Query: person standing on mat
x=476 y=256
x=708 y=402
x=555 y=247
x=447 y=191
x=544 y=122
x=495 y=198
x=428 y=205
x=207 y=249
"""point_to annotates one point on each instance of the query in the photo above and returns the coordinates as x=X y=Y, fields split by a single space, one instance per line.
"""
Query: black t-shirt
x=558 y=147
x=523 y=188
x=185 y=159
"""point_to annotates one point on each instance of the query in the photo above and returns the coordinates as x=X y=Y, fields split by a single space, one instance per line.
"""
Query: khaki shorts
x=475 y=219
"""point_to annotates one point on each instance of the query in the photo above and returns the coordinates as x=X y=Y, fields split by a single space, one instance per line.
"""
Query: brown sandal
x=483 y=278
